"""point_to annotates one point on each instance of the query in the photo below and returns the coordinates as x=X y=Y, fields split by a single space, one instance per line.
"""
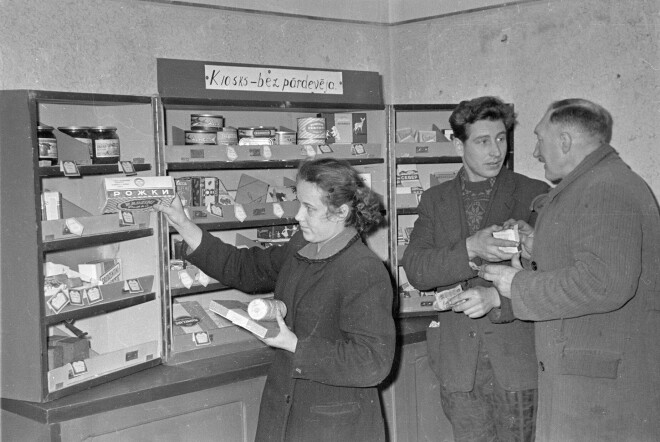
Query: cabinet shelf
x=187 y=166
x=58 y=245
x=429 y=160
x=93 y=169
x=406 y=211
x=198 y=289
x=247 y=224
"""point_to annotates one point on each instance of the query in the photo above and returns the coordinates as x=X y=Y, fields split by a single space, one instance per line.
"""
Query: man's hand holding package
x=483 y=245
x=476 y=302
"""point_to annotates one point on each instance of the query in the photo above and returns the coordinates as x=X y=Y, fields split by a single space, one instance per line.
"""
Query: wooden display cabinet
x=107 y=331
x=271 y=164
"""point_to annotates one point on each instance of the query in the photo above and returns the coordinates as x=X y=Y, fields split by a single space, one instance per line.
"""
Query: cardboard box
x=185 y=188
x=330 y=127
x=136 y=193
x=103 y=270
x=51 y=205
x=359 y=120
x=236 y=312
x=251 y=190
x=343 y=128
x=63 y=350
x=190 y=322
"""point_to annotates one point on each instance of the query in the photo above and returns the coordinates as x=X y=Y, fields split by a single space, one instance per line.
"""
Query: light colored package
x=511 y=235
x=136 y=193
x=426 y=136
x=51 y=205
x=104 y=271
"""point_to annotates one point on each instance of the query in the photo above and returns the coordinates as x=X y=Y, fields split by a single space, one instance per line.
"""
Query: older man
x=593 y=285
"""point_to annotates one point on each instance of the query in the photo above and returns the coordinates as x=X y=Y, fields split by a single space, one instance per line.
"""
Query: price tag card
x=74 y=226
x=127 y=168
x=214 y=209
x=309 y=150
x=76 y=297
x=358 y=149
x=94 y=295
x=201 y=338
x=239 y=212
x=231 y=154
x=325 y=148
x=58 y=301
x=267 y=153
x=78 y=368
x=277 y=210
x=203 y=278
x=126 y=218
x=69 y=168
x=185 y=279
x=134 y=286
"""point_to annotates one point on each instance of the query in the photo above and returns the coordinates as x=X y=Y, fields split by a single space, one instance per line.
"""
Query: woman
x=337 y=341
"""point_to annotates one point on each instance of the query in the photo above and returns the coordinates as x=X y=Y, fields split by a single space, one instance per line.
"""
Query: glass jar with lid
x=47 y=144
x=105 y=145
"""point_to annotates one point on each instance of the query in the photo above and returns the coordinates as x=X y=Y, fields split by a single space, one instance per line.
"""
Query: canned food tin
x=80 y=133
x=311 y=130
x=285 y=137
x=206 y=121
x=105 y=144
x=201 y=137
x=264 y=309
x=47 y=144
x=227 y=135
x=256 y=132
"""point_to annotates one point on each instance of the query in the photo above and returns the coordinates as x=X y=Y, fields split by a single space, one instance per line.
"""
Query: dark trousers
x=489 y=413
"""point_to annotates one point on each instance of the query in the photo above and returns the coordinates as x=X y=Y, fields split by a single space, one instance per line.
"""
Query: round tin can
x=256 y=132
x=285 y=137
x=105 y=144
x=264 y=309
x=227 y=135
x=47 y=144
x=201 y=137
x=206 y=121
x=311 y=130
x=256 y=141
x=80 y=133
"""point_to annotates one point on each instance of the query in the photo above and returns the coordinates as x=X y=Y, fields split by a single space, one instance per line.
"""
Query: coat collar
x=588 y=163
x=333 y=247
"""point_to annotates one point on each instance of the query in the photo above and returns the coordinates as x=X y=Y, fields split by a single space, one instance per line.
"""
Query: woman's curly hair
x=341 y=184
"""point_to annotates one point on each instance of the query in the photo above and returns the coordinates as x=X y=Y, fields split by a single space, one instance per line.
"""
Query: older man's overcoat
x=596 y=298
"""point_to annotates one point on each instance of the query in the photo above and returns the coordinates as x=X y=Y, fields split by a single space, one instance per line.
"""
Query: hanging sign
x=264 y=79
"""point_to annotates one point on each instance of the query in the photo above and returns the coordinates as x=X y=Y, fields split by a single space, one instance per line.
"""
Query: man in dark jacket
x=483 y=357
x=592 y=283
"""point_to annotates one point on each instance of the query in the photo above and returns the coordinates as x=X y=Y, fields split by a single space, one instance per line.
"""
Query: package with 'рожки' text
x=136 y=193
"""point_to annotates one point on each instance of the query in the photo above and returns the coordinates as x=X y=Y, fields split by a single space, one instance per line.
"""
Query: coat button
x=534 y=266
x=472 y=334
x=541 y=366
x=287 y=398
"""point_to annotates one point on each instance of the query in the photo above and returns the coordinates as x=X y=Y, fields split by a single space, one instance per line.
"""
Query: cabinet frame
x=24 y=314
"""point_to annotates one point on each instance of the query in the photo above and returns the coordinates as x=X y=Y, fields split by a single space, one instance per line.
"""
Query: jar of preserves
x=80 y=133
x=47 y=144
x=105 y=145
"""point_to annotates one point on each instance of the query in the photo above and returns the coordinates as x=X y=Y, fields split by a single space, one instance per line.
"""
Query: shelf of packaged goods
x=429 y=160
x=113 y=298
x=58 y=245
x=91 y=169
x=266 y=164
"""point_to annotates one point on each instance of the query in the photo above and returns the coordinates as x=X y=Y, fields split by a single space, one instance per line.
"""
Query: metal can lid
x=285 y=132
x=258 y=127
x=201 y=131
x=103 y=128
x=44 y=127
x=206 y=115
x=74 y=128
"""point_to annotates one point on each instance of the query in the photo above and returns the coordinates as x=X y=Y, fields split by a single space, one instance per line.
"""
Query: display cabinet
x=256 y=217
x=64 y=327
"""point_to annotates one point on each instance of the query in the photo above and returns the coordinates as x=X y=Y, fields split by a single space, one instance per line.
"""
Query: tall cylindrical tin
x=264 y=309
x=311 y=130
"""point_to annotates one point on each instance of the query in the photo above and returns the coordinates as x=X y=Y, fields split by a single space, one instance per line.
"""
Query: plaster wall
x=535 y=53
x=111 y=46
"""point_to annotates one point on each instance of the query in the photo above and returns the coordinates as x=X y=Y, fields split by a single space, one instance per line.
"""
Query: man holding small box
x=484 y=358
x=591 y=283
